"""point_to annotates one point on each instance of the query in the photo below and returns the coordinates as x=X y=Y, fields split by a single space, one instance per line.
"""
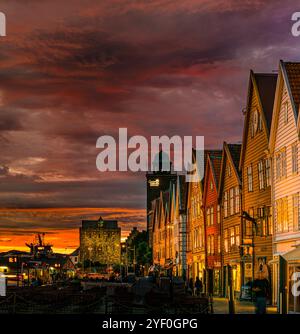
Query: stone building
x=100 y=241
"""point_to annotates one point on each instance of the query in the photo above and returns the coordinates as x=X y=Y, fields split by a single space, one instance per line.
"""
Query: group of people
x=195 y=289
x=261 y=289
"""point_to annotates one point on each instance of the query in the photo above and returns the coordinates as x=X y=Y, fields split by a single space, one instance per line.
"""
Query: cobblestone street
x=241 y=307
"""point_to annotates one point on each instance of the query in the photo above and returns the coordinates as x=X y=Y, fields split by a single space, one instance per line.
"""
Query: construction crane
x=38 y=248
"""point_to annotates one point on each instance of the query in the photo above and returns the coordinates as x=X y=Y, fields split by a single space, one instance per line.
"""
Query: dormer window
x=255 y=121
x=259 y=122
x=229 y=170
x=286 y=113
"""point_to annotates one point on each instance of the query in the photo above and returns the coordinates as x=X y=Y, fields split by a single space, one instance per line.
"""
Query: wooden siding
x=196 y=257
x=255 y=150
x=211 y=200
x=286 y=135
x=231 y=220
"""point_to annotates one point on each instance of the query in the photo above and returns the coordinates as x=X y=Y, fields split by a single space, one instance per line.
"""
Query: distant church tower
x=157 y=181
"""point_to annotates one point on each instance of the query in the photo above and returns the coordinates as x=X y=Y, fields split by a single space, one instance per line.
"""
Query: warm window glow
x=154 y=183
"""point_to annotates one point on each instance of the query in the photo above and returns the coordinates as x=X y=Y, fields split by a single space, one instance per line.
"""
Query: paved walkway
x=241 y=307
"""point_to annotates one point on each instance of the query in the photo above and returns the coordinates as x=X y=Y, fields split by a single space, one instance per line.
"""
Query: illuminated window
x=231 y=196
x=283 y=162
x=296 y=212
x=226 y=248
x=208 y=216
x=211 y=215
x=250 y=178
x=282 y=215
x=154 y=183
x=218 y=214
x=237 y=235
x=261 y=180
x=229 y=170
x=248 y=229
x=212 y=244
x=278 y=166
x=286 y=113
x=295 y=158
x=225 y=204
x=232 y=237
x=237 y=199
x=198 y=208
x=268 y=172
x=269 y=221
x=219 y=244
x=285 y=214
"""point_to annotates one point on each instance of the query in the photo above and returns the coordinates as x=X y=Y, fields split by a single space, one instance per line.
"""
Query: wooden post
x=283 y=285
x=231 y=297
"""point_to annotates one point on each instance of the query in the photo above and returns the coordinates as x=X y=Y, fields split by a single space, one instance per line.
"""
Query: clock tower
x=157 y=181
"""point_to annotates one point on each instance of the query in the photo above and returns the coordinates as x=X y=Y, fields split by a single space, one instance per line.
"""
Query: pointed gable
x=235 y=152
x=212 y=169
x=288 y=81
x=231 y=153
x=215 y=160
x=266 y=85
x=292 y=74
x=261 y=90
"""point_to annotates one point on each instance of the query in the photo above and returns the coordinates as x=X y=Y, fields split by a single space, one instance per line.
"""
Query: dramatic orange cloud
x=60 y=225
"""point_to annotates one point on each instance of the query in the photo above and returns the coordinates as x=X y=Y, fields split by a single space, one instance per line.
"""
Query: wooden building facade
x=212 y=210
x=284 y=149
x=255 y=167
x=229 y=193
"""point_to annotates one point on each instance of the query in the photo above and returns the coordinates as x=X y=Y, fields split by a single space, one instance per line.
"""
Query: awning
x=274 y=261
x=293 y=255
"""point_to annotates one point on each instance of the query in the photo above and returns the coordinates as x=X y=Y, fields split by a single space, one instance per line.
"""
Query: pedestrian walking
x=261 y=289
x=198 y=286
x=191 y=287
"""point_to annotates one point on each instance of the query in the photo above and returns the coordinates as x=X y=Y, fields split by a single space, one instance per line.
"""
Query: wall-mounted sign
x=248 y=269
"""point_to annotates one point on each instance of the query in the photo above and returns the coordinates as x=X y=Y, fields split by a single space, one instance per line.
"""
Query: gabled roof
x=213 y=164
x=216 y=160
x=289 y=74
x=235 y=153
x=264 y=86
x=231 y=152
x=203 y=163
x=76 y=252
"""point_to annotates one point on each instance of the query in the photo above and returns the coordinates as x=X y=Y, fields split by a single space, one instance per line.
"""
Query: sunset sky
x=71 y=71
